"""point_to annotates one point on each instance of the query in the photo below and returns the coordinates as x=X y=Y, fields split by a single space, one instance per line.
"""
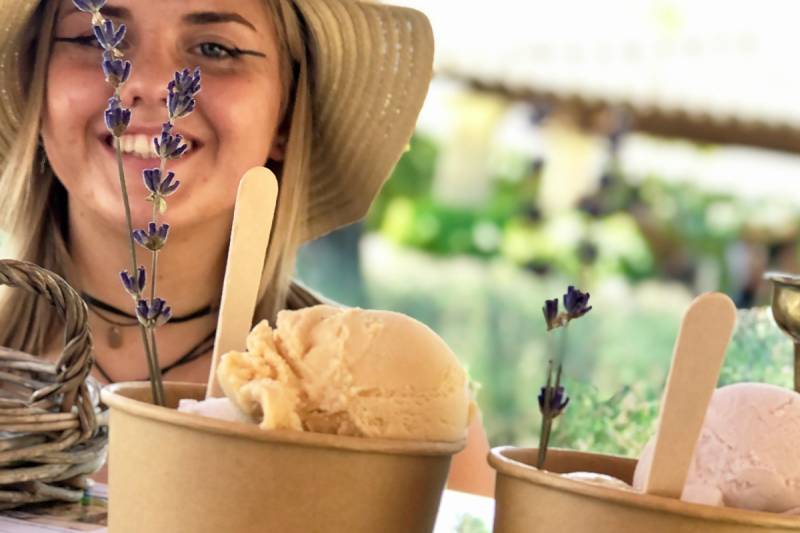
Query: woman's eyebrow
x=216 y=17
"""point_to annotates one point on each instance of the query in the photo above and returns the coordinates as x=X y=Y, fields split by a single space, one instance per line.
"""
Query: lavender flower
x=181 y=93
x=117 y=118
x=552 y=397
x=181 y=101
x=158 y=186
x=154 y=313
x=557 y=403
x=117 y=71
x=135 y=283
x=153 y=238
x=169 y=146
x=108 y=37
x=89 y=6
x=575 y=302
x=551 y=316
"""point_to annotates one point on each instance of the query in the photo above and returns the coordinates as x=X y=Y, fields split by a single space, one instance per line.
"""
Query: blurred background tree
x=643 y=153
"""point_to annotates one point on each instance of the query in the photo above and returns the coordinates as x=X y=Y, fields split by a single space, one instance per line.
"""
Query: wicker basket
x=53 y=432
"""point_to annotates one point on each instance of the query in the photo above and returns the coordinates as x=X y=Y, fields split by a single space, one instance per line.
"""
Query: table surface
x=458 y=512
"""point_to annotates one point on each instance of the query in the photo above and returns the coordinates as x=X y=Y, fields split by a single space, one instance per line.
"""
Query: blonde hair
x=33 y=203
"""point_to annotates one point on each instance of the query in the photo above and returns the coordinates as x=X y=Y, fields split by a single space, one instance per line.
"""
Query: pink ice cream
x=748 y=454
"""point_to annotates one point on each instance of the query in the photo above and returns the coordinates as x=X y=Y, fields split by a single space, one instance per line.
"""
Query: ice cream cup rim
x=113 y=397
x=504 y=465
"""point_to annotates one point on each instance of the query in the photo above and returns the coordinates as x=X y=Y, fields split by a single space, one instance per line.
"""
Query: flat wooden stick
x=252 y=226
x=704 y=335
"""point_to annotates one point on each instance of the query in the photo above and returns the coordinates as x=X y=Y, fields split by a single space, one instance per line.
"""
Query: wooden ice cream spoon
x=252 y=225
x=703 y=337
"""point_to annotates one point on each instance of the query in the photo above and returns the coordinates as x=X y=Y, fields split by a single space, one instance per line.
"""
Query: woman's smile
x=238 y=114
x=138 y=154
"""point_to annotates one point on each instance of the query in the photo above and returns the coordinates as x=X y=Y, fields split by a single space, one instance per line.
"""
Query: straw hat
x=371 y=66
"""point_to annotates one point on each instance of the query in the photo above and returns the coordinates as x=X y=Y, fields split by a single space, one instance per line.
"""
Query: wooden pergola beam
x=698 y=127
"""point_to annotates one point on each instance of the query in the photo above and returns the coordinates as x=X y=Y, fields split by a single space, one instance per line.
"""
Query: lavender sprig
x=153 y=238
x=117 y=70
x=181 y=92
x=134 y=283
x=152 y=312
x=117 y=119
x=553 y=399
x=108 y=36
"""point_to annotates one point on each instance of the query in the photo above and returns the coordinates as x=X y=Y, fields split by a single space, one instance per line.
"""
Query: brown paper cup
x=530 y=500
x=173 y=472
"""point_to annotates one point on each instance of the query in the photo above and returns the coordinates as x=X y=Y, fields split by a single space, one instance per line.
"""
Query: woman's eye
x=218 y=51
x=82 y=40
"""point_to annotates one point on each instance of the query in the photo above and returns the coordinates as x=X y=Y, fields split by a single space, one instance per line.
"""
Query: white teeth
x=142 y=145
x=138 y=145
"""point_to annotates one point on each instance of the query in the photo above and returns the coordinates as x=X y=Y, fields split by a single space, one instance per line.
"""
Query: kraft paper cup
x=531 y=500
x=175 y=472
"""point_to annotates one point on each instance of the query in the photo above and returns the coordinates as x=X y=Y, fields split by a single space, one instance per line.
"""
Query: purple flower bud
x=558 y=401
x=164 y=316
x=158 y=186
x=89 y=6
x=169 y=146
x=163 y=231
x=117 y=118
x=153 y=238
x=169 y=185
x=108 y=37
x=117 y=71
x=181 y=92
x=551 y=316
x=142 y=311
x=154 y=313
x=575 y=303
x=152 y=179
x=134 y=284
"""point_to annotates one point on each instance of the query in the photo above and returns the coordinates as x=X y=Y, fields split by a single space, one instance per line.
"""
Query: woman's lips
x=134 y=165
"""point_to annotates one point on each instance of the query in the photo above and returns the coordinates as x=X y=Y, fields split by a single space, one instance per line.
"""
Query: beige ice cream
x=602 y=480
x=350 y=372
x=748 y=453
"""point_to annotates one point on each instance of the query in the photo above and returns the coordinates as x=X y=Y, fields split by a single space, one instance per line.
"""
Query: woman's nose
x=146 y=89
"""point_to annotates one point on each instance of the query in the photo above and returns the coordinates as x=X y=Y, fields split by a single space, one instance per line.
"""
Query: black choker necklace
x=114 y=334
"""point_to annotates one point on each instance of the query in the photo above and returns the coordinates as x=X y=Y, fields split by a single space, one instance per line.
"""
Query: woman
x=326 y=92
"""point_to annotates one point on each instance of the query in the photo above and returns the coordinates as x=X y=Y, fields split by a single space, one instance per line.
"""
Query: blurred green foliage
x=646 y=229
x=479 y=276
x=471 y=524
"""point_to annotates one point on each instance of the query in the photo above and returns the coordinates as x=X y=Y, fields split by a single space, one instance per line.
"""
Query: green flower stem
x=547 y=420
x=156 y=208
x=152 y=362
x=562 y=351
x=550 y=391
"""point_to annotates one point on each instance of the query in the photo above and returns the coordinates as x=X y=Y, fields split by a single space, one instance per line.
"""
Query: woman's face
x=233 y=128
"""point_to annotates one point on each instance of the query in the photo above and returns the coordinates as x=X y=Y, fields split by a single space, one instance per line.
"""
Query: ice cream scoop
x=594 y=478
x=748 y=454
x=350 y=372
x=219 y=408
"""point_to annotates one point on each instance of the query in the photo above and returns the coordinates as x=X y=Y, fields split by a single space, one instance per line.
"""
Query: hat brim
x=371 y=65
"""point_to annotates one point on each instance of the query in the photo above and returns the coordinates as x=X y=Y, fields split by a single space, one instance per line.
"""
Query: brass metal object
x=786 y=311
